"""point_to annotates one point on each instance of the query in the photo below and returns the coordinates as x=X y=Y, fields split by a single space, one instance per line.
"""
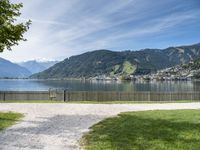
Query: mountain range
x=35 y=66
x=11 y=70
x=24 y=69
x=123 y=63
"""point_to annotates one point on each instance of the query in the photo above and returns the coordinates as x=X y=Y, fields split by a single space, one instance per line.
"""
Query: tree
x=10 y=31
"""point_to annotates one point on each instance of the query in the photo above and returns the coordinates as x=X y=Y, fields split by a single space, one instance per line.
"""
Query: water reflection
x=77 y=85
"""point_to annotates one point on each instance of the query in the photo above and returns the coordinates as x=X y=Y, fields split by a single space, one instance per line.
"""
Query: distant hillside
x=37 y=66
x=193 y=68
x=105 y=62
x=182 y=71
x=11 y=70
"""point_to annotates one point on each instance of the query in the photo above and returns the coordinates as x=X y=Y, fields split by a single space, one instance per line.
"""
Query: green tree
x=11 y=32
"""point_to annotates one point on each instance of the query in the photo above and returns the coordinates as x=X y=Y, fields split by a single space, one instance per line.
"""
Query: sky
x=62 y=28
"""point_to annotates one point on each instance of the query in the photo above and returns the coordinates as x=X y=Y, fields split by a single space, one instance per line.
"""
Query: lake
x=77 y=85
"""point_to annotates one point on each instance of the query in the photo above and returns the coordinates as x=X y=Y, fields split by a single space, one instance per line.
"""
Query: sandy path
x=60 y=126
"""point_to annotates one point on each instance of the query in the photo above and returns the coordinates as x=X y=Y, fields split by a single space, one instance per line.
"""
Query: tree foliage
x=11 y=31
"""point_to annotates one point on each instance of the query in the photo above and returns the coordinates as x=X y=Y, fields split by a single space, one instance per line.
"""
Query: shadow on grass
x=140 y=130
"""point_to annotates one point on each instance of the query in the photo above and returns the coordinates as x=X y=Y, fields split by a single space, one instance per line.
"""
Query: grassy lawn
x=8 y=119
x=152 y=130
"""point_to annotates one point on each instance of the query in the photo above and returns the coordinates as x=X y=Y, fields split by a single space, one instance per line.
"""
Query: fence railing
x=98 y=96
x=132 y=96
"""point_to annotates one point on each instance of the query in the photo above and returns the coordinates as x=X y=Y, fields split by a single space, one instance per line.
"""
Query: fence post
x=170 y=96
x=149 y=96
x=4 y=96
x=119 y=96
x=50 y=94
x=64 y=95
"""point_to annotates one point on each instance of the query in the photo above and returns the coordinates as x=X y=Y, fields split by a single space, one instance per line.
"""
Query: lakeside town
x=176 y=73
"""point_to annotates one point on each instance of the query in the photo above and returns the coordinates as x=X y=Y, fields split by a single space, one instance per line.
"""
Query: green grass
x=128 y=68
x=152 y=130
x=8 y=119
x=115 y=70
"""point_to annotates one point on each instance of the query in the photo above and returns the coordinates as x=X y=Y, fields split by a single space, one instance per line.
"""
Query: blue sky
x=62 y=28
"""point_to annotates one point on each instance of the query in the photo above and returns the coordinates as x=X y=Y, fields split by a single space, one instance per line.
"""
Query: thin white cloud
x=157 y=25
x=44 y=21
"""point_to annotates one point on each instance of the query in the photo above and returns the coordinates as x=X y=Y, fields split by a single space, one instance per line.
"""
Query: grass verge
x=163 y=130
x=8 y=119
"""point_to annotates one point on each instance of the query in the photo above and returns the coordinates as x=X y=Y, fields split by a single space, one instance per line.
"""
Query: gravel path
x=60 y=126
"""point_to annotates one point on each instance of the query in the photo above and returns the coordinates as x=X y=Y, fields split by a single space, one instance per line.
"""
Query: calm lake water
x=76 y=85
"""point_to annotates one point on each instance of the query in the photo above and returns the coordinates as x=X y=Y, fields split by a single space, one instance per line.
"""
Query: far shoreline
x=94 y=80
